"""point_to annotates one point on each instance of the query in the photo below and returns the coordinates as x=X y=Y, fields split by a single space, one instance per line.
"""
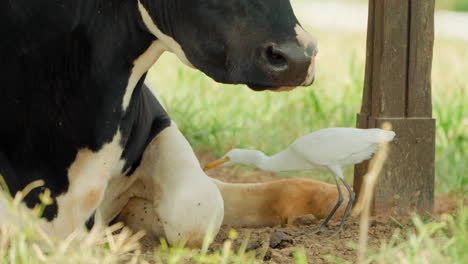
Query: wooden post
x=397 y=89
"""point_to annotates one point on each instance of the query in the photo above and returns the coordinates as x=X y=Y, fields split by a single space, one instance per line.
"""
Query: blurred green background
x=456 y=5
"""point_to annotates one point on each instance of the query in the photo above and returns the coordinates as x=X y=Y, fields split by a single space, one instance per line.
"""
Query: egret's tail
x=387 y=136
x=381 y=135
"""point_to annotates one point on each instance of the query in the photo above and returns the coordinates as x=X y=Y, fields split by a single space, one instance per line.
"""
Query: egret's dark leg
x=348 y=207
x=337 y=205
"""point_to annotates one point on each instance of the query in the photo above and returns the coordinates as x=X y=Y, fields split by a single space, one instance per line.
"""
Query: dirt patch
x=316 y=246
x=278 y=244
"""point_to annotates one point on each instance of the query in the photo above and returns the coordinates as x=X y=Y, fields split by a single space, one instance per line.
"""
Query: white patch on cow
x=305 y=39
x=88 y=178
x=187 y=202
x=140 y=66
x=170 y=43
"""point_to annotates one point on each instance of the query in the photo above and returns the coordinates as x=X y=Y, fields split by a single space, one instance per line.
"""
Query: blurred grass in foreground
x=213 y=115
x=22 y=241
x=444 y=240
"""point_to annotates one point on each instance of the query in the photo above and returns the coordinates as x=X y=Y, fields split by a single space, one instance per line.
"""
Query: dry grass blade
x=132 y=242
x=364 y=205
x=39 y=253
x=65 y=244
x=45 y=238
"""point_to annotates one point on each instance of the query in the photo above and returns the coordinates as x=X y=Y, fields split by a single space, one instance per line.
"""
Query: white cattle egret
x=330 y=149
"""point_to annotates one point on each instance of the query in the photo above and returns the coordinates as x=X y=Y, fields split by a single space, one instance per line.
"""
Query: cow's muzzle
x=287 y=65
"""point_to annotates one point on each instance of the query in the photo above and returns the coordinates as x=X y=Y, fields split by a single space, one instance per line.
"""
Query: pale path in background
x=353 y=17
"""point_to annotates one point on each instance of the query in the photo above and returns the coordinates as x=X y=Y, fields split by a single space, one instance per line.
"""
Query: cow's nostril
x=276 y=57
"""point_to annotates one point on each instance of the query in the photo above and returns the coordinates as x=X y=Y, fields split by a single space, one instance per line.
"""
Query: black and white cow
x=74 y=110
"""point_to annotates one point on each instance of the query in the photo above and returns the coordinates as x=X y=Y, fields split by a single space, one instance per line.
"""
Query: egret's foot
x=316 y=231
x=307 y=233
x=322 y=229
x=334 y=233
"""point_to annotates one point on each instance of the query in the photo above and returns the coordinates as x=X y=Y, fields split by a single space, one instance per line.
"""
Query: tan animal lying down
x=251 y=204
x=277 y=202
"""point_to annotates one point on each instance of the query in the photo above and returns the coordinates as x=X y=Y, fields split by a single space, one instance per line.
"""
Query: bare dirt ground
x=278 y=244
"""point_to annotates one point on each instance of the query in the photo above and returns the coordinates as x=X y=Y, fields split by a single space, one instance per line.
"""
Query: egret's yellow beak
x=216 y=163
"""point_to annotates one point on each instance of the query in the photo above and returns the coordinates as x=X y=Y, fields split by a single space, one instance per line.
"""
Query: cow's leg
x=276 y=202
x=141 y=214
x=118 y=194
x=187 y=202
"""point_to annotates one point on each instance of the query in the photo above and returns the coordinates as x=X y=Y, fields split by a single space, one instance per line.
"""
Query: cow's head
x=255 y=42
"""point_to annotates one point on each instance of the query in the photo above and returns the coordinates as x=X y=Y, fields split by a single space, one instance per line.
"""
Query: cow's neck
x=162 y=19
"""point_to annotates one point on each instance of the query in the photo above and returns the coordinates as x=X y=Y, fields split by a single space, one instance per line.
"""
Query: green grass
x=450 y=102
x=442 y=241
x=456 y=5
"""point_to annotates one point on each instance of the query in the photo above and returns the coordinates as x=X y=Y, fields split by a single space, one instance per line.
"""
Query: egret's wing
x=343 y=146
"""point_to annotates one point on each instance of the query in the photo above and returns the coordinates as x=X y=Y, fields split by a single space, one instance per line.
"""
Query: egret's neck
x=283 y=161
x=250 y=157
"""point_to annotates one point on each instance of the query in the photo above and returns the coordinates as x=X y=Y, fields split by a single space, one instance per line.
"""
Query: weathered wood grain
x=407 y=180
x=420 y=60
x=397 y=88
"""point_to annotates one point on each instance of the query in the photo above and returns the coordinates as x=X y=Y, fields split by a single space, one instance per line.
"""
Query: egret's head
x=238 y=156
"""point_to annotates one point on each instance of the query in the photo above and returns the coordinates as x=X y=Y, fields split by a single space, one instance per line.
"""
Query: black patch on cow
x=148 y=118
x=90 y=222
